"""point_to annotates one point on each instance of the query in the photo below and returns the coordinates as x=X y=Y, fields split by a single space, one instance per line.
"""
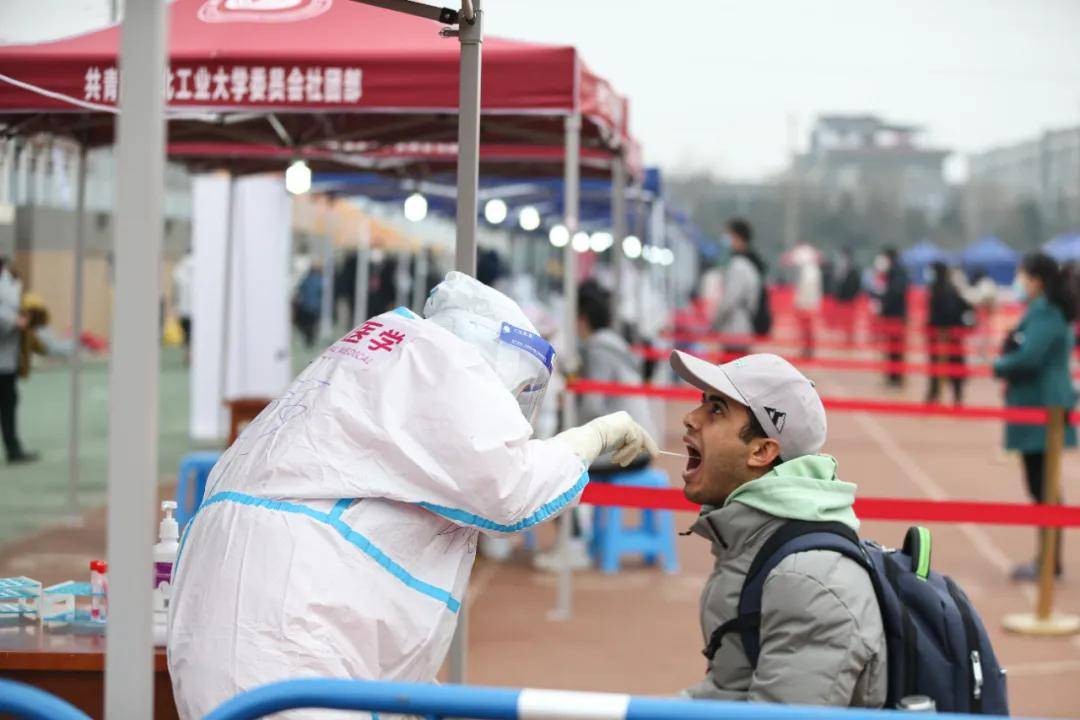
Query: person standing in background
x=982 y=295
x=1035 y=367
x=307 y=305
x=743 y=283
x=944 y=333
x=183 y=282
x=605 y=357
x=892 y=311
x=12 y=324
x=808 y=294
x=847 y=287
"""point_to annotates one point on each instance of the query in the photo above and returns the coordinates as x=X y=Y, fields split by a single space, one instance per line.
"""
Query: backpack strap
x=793 y=537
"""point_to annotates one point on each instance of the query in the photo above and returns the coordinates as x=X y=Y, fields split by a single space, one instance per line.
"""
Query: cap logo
x=778 y=418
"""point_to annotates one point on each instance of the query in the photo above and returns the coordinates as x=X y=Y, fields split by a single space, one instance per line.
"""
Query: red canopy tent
x=322 y=70
x=327 y=70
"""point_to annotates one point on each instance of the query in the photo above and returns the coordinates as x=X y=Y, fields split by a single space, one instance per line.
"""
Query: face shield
x=524 y=360
x=496 y=326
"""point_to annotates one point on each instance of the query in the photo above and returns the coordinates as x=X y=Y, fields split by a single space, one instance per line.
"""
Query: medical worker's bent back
x=339 y=530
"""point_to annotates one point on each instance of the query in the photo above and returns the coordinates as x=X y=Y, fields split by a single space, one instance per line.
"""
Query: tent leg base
x=1054 y=625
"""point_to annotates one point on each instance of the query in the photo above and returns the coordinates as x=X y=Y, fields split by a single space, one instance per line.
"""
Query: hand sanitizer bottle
x=99 y=586
x=164 y=557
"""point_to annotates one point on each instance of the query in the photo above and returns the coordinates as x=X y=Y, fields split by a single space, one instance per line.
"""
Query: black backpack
x=762 y=317
x=937 y=645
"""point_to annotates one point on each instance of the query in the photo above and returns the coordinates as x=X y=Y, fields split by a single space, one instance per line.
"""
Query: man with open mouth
x=754 y=464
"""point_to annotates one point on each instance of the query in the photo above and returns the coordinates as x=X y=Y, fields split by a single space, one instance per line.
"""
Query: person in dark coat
x=1035 y=367
x=949 y=313
x=307 y=305
x=846 y=288
x=892 y=297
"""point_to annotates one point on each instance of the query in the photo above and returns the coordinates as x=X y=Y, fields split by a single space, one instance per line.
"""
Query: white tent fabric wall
x=259 y=359
x=210 y=209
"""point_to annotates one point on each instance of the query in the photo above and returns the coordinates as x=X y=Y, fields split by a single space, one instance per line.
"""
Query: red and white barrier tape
x=894 y=509
x=1015 y=415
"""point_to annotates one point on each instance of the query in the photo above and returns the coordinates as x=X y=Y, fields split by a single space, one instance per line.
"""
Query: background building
x=860 y=159
x=1031 y=188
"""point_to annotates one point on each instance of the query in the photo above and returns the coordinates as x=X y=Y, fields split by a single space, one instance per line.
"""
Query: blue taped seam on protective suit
x=405 y=312
x=543 y=513
x=340 y=507
x=346 y=532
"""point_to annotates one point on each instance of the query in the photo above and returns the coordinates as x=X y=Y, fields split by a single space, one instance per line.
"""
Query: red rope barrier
x=893 y=509
x=1017 y=415
x=902 y=344
x=942 y=369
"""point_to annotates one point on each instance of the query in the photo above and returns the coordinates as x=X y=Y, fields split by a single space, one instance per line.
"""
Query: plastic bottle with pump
x=99 y=588
x=164 y=557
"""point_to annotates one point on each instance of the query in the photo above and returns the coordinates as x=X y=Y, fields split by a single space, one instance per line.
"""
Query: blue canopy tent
x=1064 y=248
x=543 y=194
x=991 y=256
x=920 y=256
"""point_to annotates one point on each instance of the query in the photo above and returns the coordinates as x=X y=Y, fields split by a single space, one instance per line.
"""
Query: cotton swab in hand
x=673 y=454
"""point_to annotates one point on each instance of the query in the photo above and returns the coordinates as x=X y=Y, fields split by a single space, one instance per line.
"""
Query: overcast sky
x=712 y=82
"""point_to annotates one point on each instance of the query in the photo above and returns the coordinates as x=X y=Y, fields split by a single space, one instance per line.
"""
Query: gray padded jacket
x=822 y=638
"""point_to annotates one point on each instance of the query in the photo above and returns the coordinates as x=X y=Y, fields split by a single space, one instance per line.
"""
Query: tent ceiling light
x=600 y=242
x=631 y=247
x=415 y=207
x=529 y=219
x=581 y=242
x=495 y=211
x=559 y=236
x=298 y=178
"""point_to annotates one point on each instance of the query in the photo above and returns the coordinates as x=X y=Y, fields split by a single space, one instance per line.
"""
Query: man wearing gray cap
x=754 y=464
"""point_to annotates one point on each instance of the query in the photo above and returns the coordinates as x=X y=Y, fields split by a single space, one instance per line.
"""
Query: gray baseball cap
x=782 y=399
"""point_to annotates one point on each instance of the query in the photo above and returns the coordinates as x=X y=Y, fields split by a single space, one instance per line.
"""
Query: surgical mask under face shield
x=524 y=361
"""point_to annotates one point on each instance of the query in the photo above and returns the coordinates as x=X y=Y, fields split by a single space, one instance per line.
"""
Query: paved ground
x=637 y=631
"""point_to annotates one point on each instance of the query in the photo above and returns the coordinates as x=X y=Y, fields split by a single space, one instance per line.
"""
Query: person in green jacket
x=1035 y=367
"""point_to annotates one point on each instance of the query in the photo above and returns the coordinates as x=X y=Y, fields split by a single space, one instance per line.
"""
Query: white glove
x=616 y=433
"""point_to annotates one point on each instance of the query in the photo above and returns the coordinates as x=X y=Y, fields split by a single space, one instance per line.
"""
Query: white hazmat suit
x=338 y=532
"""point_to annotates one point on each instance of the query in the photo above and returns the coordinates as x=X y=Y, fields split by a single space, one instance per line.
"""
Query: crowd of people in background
x=960 y=325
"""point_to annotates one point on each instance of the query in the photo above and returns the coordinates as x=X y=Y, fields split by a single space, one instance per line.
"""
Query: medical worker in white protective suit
x=339 y=530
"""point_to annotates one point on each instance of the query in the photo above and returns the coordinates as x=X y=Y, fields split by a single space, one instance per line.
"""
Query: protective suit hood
x=498 y=328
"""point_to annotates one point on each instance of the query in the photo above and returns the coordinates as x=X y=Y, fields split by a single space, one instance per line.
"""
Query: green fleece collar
x=805 y=488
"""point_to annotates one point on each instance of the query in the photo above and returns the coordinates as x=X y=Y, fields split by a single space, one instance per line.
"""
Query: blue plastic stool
x=529 y=543
x=653 y=538
x=194 y=468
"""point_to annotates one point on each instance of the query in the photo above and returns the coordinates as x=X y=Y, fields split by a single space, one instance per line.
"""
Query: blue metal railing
x=456 y=701
x=24 y=701
x=482 y=703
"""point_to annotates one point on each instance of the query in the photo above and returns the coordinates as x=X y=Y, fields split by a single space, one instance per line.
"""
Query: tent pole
x=571 y=203
x=468 y=167
x=618 y=230
x=471 y=36
x=420 y=273
x=363 y=270
x=79 y=261
x=134 y=360
x=326 y=305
